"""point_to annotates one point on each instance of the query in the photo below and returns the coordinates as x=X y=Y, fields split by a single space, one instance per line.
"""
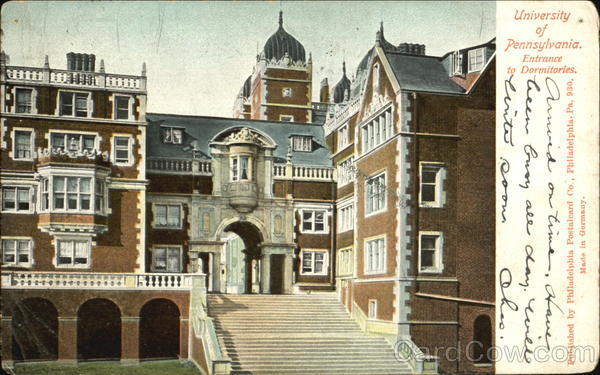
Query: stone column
x=288 y=273
x=215 y=260
x=265 y=274
x=210 y=272
x=130 y=340
x=67 y=339
x=7 y=359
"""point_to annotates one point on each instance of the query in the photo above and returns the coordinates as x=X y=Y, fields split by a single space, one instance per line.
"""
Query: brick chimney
x=81 y=62
x=412 y=48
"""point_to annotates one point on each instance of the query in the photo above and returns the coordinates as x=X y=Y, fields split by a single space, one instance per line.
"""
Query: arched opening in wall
x=35 y=330
x=159 y=329
x=482 y=337
x=243 y=258
x=98 y=330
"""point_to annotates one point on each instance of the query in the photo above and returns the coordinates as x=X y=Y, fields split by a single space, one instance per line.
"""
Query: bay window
x=72 y=194
x=240 y=168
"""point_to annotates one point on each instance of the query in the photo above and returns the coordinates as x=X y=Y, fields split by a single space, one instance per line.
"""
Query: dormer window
x=476 y=59
x=302 y=143
x=172 y=135
x=457 y=62
x=240 y=168
x=286 y=118
x=74 y=104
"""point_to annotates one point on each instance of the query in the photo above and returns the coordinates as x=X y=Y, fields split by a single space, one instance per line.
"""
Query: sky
x=198 y=54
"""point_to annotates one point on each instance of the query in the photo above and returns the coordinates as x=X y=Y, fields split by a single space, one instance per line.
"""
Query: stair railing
x=204 y=329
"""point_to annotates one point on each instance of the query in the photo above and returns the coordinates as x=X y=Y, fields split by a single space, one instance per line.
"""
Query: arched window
x=482 y=337
x=376 y=78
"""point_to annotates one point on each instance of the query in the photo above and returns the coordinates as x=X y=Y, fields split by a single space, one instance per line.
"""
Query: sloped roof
x=200 y=130
x=281 y=42
x=422 y=73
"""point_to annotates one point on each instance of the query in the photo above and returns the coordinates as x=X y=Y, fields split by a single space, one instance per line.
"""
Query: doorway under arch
x=98 y=330
x=482 y=336
x=35 y=330
x=159 y=329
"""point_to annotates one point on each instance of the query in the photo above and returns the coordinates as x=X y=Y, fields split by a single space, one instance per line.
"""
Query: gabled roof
x=422 y=73
x=200 y=130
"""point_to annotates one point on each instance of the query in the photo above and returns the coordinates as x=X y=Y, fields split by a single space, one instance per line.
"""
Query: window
x=73 y=252
x=376 y=194
x=343 y=137
x=346 y=171
x=345 y=261
x=302 y=143
x=74 y=104
x=346 y=218
x=432 y=176
x=430 y=252
x=122 y=150
x=457 y=60
x=17 y=252
x=73 y=142
x=16 y=199
x=476 y=59
x=286 y=118
x=313 y=221
x=286 y=92
x=23 y=100
x=379 y=130
x=167 y=259
x=72 y=194
x=240 y=168
x=122 y=107
x=314 y=262
x=23 y=145
x=376 y=78
x=172 y=135
x=167 y=216
x=375 y=256
x=372 y=309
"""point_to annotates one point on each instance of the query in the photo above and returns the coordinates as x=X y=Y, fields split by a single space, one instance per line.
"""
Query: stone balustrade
x=98 y=281
x=61 y=77
x=303 y=172
x=340 y=113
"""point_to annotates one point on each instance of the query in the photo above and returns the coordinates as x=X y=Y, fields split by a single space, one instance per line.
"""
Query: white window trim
x=305 y=138
x=325 y=220
x=440 y=177
x=325 y=262
x=372 y=312
x=379 y=113
x=439 y=254
x=16 y=211
x=171 y=128
x=83 y=132
x=281 y=118
x=343 y=179
x=341 y=228
x=129 y=107
x=181 y=214
x=90 y=103
x=383 y=269
x=345 y=261
x=474 y=51
x=156 y=246
x=13 y=152
x=343 y=136
x=17 y=264
x=250 y=167
x=34 y=93
x=86 y=238
x=385 y=194
x=131 y=158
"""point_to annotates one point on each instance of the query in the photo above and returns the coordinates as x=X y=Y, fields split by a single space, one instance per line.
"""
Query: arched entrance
x=159 y=329
x=482 y=336
x=242 y=262
x=98 y=330
x=35 y=330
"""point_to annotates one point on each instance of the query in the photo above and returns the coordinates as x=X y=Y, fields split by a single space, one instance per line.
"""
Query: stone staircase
x=297 y=334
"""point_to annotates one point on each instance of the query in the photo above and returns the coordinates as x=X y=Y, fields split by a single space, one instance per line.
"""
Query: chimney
x=81 y=62
x=324 y=93
x=4 y=58
x=412 y=48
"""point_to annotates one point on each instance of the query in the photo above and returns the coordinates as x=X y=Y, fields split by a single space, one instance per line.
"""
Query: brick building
x=117 y=222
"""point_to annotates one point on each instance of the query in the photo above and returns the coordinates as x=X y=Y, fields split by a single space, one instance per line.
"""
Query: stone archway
x=159 y=329
x=35 y=330
x=99 y=330
x=249 y=255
